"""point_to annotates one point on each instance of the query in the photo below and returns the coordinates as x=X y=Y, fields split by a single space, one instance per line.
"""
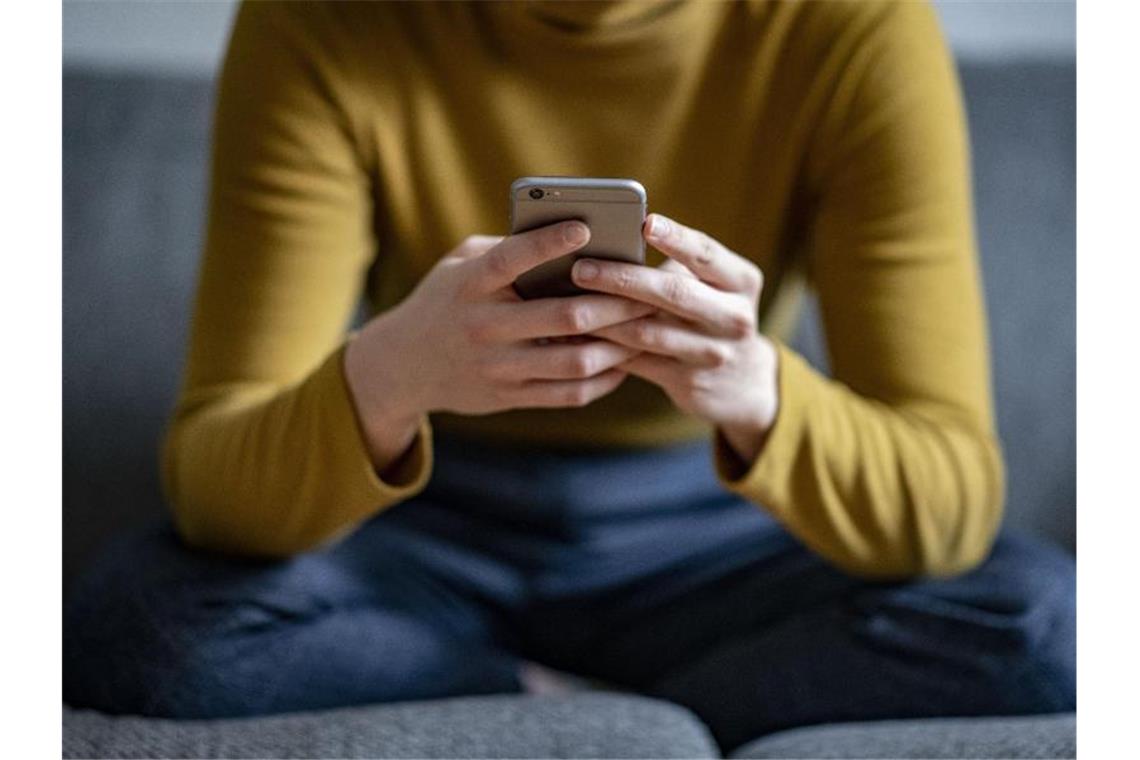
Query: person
x=642 y=485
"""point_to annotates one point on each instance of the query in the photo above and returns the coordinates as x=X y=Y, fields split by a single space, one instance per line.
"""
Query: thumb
x=474 y=246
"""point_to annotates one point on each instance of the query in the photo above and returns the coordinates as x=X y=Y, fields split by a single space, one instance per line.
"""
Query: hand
x=702 y=347
x=463 y=341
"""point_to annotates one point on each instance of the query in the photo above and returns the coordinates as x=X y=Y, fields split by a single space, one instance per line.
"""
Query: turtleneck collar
x=565 y=38
x=592 y=16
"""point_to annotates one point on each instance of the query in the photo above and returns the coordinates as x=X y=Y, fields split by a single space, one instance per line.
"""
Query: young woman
x=675 y=502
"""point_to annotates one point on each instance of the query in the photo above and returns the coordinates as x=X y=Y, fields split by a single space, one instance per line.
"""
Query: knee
x=139 y=631
x=113 y=631
x=1011 y=623
x=1035 y=586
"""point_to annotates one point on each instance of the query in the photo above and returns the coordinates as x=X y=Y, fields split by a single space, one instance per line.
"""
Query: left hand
x=702 y=346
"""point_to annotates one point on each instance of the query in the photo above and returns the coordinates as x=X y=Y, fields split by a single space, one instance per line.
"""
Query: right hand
x=463 y=341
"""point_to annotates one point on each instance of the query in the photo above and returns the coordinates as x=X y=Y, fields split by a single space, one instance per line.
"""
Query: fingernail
x=658 y=226
x=585 y=270
x=576 y=233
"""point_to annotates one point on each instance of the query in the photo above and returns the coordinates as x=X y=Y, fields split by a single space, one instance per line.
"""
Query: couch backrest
x=1023 y=132
x=134 y=157
x=134 y=174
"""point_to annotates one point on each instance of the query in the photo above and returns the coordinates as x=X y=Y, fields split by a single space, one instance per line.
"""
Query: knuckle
x=740 y=325
x=575 y=317
x=705 y=251
x=497 y=264
x=580 y=364
x=626 y=280
x=575 y=233
x=579 y=395
x=702 y=384
x=646 y=334
x=636 y=309
x=715 y=355
x=678 y=291
x=557 y=238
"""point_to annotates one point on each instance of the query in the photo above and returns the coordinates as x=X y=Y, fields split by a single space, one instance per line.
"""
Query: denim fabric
x=634 y=568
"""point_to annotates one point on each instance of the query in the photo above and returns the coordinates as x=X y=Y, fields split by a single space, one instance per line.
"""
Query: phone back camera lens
x=536 y=193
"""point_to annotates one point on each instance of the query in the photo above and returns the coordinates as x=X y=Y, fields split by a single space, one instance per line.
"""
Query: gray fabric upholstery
x=134 y=169
x=584 y=725
x=1024 y=133
x=1032 y=736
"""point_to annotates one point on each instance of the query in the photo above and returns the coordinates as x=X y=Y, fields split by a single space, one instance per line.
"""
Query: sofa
x=134 y=158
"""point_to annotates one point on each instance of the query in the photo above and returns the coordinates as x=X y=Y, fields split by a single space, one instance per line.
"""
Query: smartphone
x=613 y=209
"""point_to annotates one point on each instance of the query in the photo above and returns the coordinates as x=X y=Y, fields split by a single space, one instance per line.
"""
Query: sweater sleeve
x=264 y=454
x=892 y=467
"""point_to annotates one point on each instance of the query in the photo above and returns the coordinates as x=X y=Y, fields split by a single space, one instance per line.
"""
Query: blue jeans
x=632 y=567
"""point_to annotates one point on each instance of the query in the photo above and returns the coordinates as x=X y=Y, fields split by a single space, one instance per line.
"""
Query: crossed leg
x=784 y=640
x=157 y=629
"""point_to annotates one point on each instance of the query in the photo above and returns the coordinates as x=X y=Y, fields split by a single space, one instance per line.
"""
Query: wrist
x=385 y=405
x=747 y=434
x=745 y=441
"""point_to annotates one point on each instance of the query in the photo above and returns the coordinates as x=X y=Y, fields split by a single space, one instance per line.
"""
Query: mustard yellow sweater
x=355 y=144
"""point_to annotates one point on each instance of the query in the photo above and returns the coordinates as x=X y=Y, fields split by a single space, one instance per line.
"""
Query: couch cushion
x=1028 y=736
x=580 y=725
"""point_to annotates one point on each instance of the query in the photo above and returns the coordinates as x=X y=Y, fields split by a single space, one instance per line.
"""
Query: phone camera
x=537 y=193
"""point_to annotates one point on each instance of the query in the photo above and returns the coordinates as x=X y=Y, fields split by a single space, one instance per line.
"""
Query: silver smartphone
x=613 y=209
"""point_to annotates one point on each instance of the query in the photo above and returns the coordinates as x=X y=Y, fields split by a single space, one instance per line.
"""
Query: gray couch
x=134 y=174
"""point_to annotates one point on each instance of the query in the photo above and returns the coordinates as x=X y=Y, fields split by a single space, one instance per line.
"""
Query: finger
x=559 y=361
x=667 y=339
x=672 y=265
x=704 y=255
x=723 y=313
x=660 y=370
x=548 y=317
x=563 y=393
x=516 y=254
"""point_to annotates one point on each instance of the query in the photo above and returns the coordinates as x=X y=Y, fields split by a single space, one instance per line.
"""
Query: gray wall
x=188 y=37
